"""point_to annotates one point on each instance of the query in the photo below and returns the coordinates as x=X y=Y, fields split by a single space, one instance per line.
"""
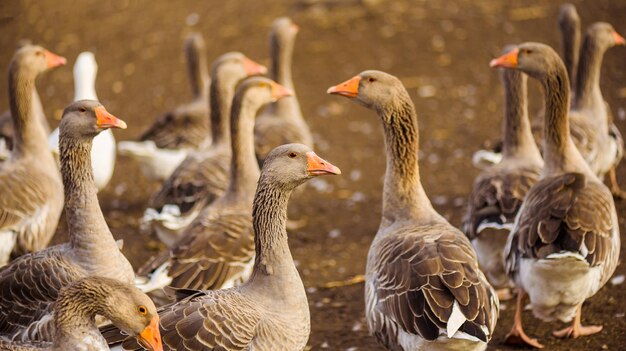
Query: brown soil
x=440 y=49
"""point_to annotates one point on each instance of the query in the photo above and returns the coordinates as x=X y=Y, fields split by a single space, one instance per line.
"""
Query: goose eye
x=39 y=53
x=142 y=310
x=82 y=109
x=527 y=51
x=371 y=80
x=292 y=155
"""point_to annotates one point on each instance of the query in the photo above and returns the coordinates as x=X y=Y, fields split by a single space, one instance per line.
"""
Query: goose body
x=216 y=250
x=203 y=176
x=30 y=184
x=104 y=148
x=565 y=242
x=268 y=312
x=30 y=284
x=166 y=143
x=282 y=121
x=75 y=310
x=423 y=287
x=499 y=191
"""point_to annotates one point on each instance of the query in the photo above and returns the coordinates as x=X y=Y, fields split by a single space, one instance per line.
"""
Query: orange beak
x=619 y=40
x=508 y=60
x=150 y=338
x=349 y=88
x=54 y=60
x=279 y=91
x=106 y=120
x=317 y=166
x=252 y=68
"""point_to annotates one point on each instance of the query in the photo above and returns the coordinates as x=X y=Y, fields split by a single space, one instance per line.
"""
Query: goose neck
x=197 y=70
x=221 y=98
x=588 y=92
x=75 y=312
x=559 y=152
x=30 y=136
x=281 y=51
x=244 y=171
x=403 y=195
x=88 y=231
x=273 y=266
x=518 y=139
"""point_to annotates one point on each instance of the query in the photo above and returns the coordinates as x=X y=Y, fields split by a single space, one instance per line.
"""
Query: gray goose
x=592 y=127
x=6 y=121
x=565 y=243
x=268 y=312
x=216 y=250
x=75 y=313
x=281 y=122
x=164 y=145
x=30 y=184
x=498 y=191
x=203 y=175
x=30 y=284
x=423 y=287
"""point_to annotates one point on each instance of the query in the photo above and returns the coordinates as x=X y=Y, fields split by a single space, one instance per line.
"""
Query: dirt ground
x=440 y=50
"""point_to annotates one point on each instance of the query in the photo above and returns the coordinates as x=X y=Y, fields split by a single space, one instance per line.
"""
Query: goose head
x=134 y=313
x=36 y=59
x=605 y=35
x=86 y=119
x=234 y=66
x=290 y=165
x=284 y=29
x=373 y=89
x=259 y=91
x=535 y=59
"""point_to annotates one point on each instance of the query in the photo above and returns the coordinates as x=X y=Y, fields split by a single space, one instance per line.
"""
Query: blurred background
x=439 y=49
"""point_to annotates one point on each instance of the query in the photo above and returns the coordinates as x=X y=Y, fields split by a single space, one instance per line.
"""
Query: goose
x=30 y=284
x=592 y=128
x=423 y=287
x=75 y=313
x=166 y=143
x=281 y=122
x=498 y=191
x=104 y=149
x=6 y=121
x=203 y=175
x=565 y=243
x=30 y=184
x=216 y=250
x=268 y=312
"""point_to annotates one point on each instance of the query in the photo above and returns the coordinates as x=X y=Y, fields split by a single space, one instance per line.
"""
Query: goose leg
x=577 y=329
x=615 y=189
x=517 y=336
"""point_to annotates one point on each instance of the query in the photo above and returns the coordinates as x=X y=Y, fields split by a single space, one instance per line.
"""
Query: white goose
x=104 y=151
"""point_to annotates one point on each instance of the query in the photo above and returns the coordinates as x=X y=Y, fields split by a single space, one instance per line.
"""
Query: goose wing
x=496 y=197
x=28 y=287
x=564 y=214
x=426 y=282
